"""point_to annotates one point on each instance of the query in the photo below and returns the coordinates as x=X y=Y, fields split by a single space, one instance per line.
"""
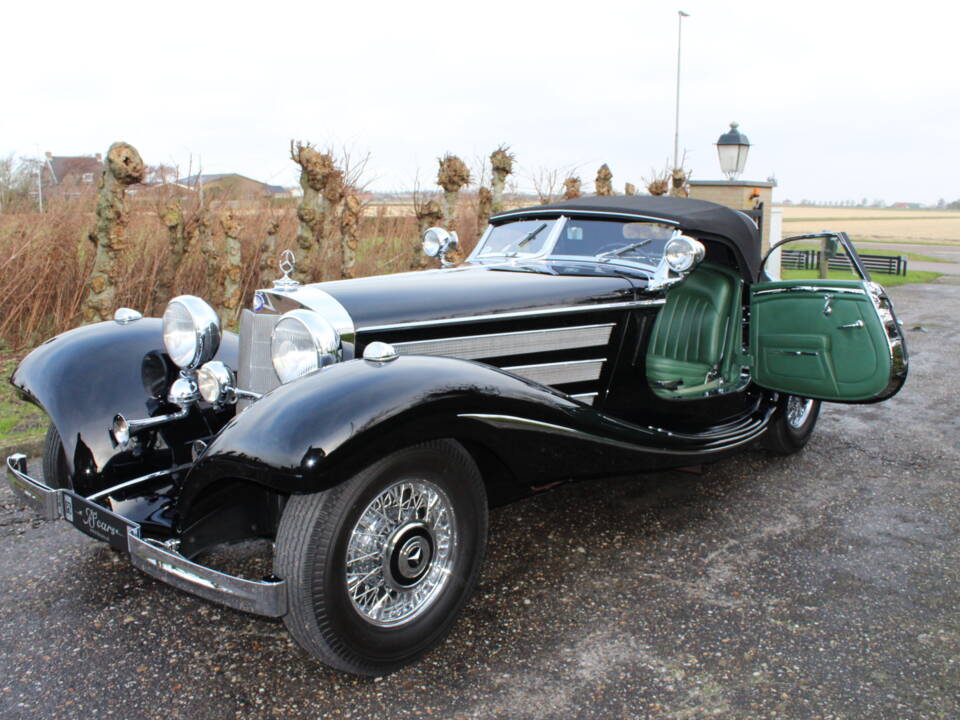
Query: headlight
x=682 y=253
x=301 y=342
x=433 y=241
x=191 y=331
x=214 y=380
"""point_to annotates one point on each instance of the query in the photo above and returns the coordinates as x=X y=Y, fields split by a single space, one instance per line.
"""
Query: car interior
x=695 y=340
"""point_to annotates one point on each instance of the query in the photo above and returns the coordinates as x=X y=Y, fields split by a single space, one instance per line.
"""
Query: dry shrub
x=46 y=259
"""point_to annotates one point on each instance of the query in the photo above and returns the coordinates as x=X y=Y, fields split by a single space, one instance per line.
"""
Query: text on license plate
x=96 y=521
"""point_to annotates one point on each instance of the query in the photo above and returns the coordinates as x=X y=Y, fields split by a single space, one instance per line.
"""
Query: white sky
x=841 y=100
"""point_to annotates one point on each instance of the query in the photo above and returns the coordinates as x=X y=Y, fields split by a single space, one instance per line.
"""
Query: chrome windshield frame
x=548 y=245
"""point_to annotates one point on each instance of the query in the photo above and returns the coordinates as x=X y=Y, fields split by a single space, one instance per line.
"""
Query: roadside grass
x=912 y=276
x=20 y=422
x=905 y=241
x=917 y=257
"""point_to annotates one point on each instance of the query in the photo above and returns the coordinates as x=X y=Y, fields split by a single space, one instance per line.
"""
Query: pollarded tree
x=501 y=163
x=604 y=182
x=123 y=167
x=233 y=266
x=452 y=175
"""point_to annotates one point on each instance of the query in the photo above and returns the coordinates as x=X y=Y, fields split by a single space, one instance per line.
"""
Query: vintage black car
x=366 y=425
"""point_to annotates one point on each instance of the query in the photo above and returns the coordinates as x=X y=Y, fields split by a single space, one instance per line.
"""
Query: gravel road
x=824 y=585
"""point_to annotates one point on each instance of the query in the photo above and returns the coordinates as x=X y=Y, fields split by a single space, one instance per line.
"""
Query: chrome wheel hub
x=798 y=410
x=400 y=552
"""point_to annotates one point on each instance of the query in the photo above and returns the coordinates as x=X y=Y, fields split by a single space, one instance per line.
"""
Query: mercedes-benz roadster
x=366 y=425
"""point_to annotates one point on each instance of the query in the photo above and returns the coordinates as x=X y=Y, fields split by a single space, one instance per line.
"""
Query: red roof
x=77 y=166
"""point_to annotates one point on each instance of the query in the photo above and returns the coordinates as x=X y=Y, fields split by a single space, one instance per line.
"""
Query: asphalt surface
x=823 y=585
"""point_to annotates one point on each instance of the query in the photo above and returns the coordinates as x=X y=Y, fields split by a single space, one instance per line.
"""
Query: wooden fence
x=810 y=260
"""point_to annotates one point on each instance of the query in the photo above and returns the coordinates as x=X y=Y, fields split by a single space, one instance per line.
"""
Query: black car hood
x=470 y=290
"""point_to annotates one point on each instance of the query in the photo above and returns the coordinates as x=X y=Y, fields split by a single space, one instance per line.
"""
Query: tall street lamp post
x=676 y=116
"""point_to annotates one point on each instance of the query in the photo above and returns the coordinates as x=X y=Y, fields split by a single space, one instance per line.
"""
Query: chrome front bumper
x=162 y=561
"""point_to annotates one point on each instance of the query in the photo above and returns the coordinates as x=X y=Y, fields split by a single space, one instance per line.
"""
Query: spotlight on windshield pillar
x=732 y=147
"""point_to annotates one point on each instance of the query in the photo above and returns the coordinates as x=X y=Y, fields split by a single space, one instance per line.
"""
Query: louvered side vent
x=525 y=342
x=256 y=371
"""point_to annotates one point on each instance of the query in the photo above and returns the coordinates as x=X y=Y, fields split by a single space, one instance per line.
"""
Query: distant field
x=918 y=226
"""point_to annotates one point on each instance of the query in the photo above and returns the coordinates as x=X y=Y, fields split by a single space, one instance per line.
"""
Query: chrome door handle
x=852 y=326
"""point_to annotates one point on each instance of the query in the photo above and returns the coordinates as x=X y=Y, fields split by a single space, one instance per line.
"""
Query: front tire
x=56 y=471
x=792 y=425
x=378 y=568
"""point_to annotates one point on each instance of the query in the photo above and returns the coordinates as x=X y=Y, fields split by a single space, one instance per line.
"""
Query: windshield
x=601 y=240
x=526 y=238
x=610 y=240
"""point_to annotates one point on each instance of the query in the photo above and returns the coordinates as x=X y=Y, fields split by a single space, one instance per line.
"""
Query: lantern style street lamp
x=732 y=147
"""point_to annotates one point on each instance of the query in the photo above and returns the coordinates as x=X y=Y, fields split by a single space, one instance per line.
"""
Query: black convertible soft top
x=699 y=217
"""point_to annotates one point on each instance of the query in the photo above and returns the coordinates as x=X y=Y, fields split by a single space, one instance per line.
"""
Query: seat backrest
x=688 y=337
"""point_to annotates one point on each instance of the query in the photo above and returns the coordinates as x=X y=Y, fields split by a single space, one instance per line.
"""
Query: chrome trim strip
x=811 y=289
x=626 y=305
x=896 y=343
x=472 y=347
x=520 y=423
x=584 y=397
x=557 y=373
x=160 y=560
x=136 y=481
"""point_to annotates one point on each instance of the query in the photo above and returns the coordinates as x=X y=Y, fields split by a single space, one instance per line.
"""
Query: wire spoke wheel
x=798 y=410
x=379 y=567
x=400 y=552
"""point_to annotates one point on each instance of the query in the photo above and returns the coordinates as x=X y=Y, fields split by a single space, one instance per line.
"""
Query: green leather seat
x=693 y=339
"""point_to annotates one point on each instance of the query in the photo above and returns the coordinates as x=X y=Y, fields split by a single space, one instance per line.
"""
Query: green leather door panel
x=819 y=338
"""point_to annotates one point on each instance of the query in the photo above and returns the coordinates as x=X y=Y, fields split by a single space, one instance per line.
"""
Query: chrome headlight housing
x=191 y=331
x=302 y=341
x=683 y=253
x=215 y=382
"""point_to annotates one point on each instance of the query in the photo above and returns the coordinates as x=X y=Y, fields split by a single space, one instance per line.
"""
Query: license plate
x=96 y=521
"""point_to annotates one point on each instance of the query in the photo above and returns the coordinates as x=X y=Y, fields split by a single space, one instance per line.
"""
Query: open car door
x=833 y=340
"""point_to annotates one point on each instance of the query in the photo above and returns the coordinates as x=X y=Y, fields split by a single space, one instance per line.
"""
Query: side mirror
x=437 y=242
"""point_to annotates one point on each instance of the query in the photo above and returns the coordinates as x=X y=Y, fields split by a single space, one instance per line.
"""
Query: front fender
x=85 y=376
x=314 y=432
x=317 y=431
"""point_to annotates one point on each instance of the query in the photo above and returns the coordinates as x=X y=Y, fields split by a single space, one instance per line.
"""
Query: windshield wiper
x=524 y=240
x=621 y=251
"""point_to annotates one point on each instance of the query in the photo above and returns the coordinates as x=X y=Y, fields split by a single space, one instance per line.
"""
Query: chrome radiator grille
x=256 y=371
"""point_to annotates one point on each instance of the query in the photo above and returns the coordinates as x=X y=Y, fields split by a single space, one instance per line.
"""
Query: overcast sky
x=841 y=100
